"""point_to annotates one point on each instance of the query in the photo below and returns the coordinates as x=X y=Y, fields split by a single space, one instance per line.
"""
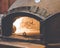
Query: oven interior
x=22 y=26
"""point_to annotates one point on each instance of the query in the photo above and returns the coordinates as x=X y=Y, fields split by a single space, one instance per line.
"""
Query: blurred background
x=5 y=4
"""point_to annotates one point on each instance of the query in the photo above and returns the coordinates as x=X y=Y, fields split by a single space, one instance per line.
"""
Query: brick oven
x=31 y=24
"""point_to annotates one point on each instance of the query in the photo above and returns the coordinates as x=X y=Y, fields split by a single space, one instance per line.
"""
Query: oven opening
x=23 y=27
x=26 y=26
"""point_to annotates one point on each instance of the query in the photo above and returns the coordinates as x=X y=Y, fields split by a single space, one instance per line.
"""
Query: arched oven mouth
x=31 y=32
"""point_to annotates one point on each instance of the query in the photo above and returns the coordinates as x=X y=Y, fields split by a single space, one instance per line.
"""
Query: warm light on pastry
x=26 y=26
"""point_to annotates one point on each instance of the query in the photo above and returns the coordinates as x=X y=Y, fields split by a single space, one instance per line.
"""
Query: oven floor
x=15 y=41
x=17 y=44
x=22 y=39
